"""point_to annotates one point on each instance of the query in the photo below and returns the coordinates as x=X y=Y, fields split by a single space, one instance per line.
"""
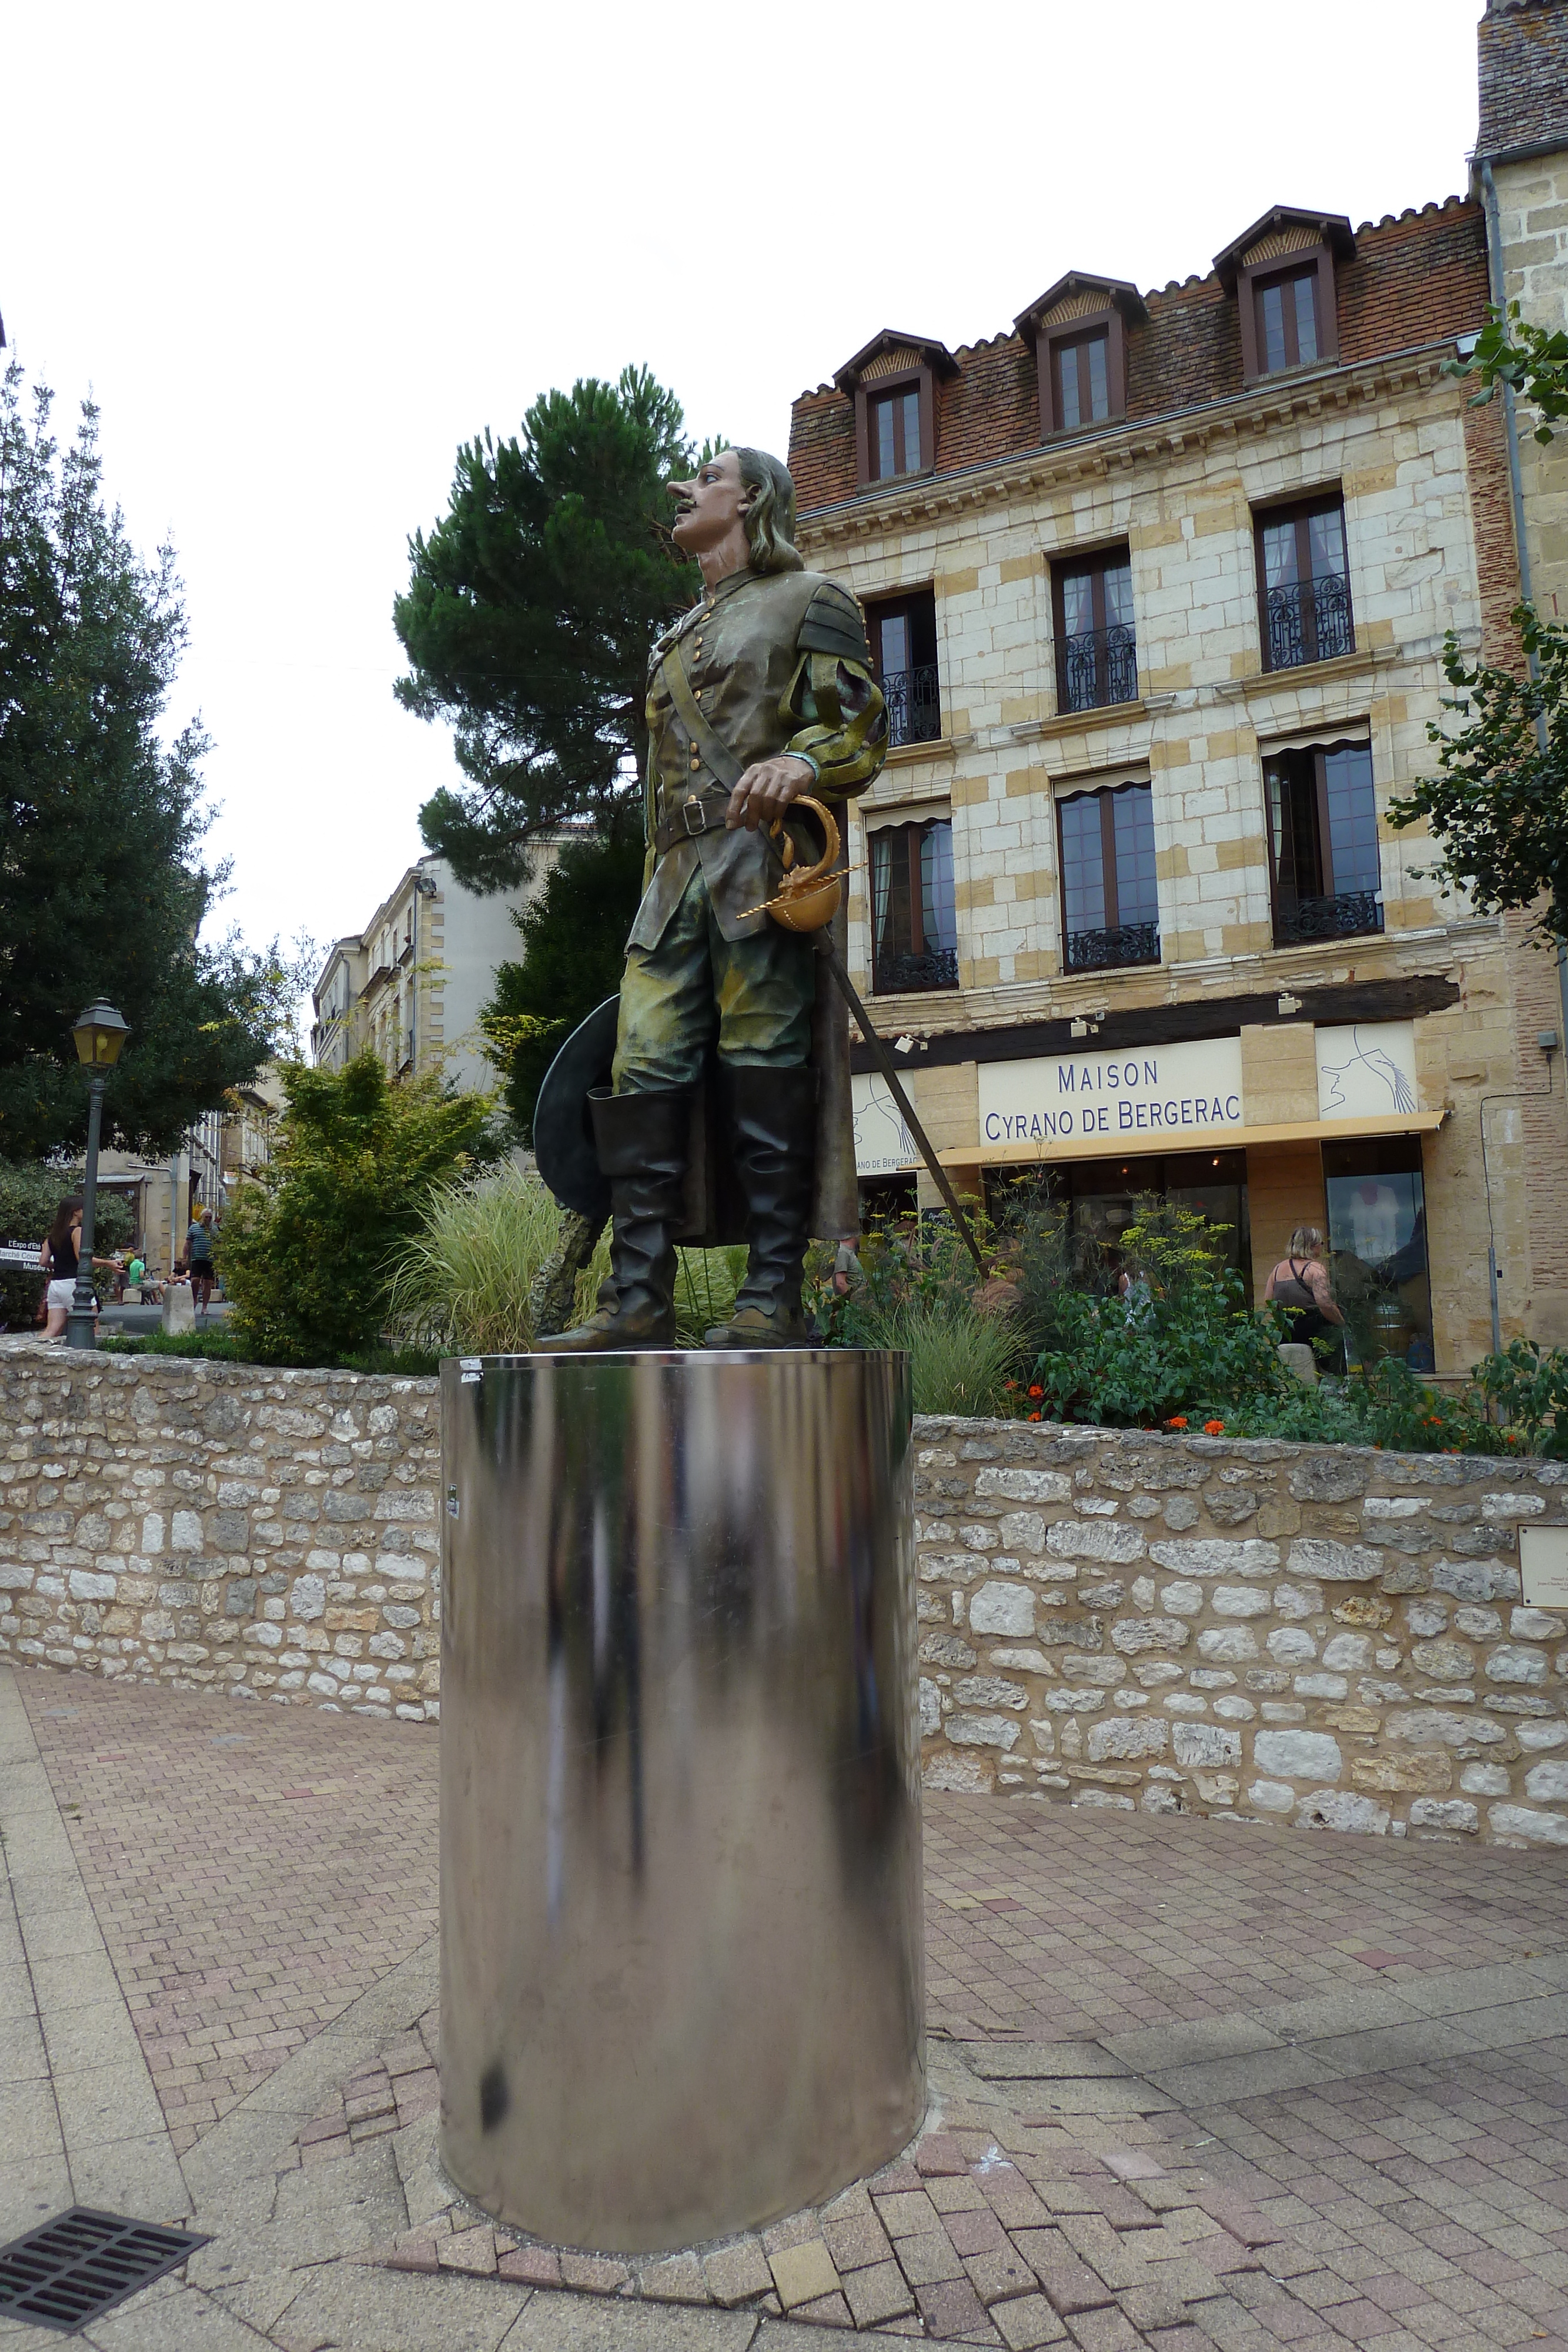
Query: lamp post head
x=99 y=1033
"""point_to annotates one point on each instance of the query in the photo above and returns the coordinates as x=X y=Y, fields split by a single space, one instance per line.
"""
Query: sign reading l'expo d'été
x=1154 y=1091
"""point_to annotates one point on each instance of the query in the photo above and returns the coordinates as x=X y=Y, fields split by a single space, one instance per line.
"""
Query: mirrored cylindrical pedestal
x=682 y=1967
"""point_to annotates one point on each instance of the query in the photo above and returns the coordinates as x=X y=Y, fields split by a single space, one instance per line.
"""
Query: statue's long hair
x=770 y=517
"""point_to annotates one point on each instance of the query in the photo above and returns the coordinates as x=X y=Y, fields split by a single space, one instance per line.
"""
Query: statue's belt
x=701 y=813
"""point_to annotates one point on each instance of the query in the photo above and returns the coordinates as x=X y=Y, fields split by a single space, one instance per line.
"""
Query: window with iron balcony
x=1322 y=843
x=1110 y=902
x=1096 y=645
x=1304 y=583
x=904 y=652
x=914 y=939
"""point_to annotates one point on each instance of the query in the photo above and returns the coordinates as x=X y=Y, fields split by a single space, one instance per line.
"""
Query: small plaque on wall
x=1544 y=1566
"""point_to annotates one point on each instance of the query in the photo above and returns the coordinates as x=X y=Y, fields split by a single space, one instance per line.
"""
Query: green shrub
x=308 y=1257
x=462 y=1281
x=960 y=1356
x=1528 y=1384
x=222 y=1347
x=30 y=1193
x=1183 y=1344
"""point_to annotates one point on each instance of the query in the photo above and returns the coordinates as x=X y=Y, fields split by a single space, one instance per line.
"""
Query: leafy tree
x=308 y=1256
x=103 y=886
x=574 y=940
x=528 y=613
x=1498 y=802
x=1533 y=363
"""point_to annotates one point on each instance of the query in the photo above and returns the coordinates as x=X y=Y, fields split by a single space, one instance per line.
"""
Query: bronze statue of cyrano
x=759 y=698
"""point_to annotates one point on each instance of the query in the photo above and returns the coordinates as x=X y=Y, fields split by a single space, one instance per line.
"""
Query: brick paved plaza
x=1194 y=2082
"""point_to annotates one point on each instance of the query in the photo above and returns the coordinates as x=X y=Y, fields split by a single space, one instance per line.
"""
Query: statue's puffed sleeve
x=833 y=702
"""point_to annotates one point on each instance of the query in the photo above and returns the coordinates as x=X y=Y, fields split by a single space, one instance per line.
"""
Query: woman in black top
x=1300 y=1284
x=59 y=1257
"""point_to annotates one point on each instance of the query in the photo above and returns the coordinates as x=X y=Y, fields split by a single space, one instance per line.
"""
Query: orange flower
x=1035 y=1416
x=1009 y=1384
x=1036 y=1390
x=1214 y=1429
x=1176 y=1421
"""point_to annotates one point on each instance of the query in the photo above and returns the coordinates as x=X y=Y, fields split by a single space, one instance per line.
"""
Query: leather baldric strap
x=718 y=757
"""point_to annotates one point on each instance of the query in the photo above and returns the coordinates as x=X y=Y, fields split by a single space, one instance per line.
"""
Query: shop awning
x=1195 y=1138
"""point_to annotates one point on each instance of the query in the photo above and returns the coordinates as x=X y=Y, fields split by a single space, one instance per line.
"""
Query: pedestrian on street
x=199 y=1258
x=59 y=1257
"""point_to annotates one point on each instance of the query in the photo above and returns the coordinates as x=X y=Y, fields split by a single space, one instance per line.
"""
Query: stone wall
x=1327 y=1636
x=201 y=1524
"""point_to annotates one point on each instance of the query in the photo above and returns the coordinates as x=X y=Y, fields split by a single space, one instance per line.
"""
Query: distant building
x=412 y=984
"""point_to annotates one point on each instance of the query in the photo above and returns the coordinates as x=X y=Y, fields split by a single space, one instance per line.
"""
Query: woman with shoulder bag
x=1300 y=1284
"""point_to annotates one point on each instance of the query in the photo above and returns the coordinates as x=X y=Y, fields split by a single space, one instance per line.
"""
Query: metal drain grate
x=82 y=2263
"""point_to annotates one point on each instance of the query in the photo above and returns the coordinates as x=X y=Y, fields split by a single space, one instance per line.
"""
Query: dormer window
x=1082 y=365
x=1287 y=320
x=1078 y=329
x=1282 y=271
x=894 y=433
x=892 y=382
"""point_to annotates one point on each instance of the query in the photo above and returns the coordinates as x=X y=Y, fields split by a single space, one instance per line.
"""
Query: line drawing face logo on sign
x=1366 y=1070
x=883 y=1145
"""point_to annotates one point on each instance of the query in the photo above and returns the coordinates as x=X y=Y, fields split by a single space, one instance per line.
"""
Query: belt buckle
x=689 y=807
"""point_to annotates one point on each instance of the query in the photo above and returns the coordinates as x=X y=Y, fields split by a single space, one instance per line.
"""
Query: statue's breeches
x=753 y=996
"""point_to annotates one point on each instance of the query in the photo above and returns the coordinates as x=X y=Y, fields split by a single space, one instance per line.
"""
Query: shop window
x=1109 y=908
x=1096 y=645
x=1103 y=1197
x=1377 y=1249
x=1322 y=842
x=915 y=941
x=1303 y=584
x=903 y=650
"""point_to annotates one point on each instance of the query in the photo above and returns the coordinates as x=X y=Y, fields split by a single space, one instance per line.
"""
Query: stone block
x=982 y=1731
x=1241 y=1600
x=1337 y=1808
x=999 y=1607
x=1444 y=1813
x=1217 y=1556
x=1205 y=1743
x=1513 y=1662
x=1393 y=1775
x=1023 y=1486
x=1298 y=1755
x=1536 y=1829
x=1334 y=1563
x=1131 y=1635
x=1099 y=1539
x=1547 y=1781
x=1127 y=1736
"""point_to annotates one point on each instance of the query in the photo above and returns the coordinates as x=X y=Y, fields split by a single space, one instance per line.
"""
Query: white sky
x=300 y=253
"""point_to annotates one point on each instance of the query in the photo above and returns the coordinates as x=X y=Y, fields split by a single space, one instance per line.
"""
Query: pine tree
x=528 y=614
x=102 y=885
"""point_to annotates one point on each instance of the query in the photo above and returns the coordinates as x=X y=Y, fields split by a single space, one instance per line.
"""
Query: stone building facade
x=412 y=984
x=1159 y=583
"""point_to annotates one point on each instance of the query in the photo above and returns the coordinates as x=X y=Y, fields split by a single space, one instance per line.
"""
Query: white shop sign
x=1544 y=1566
x=883 y=1145
x=1146 y=1096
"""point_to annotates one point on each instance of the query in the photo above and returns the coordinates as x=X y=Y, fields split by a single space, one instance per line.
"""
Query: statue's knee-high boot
x=772 y=1117
x=643 y=1142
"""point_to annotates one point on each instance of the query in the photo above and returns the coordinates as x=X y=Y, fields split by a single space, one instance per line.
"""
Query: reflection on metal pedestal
x=681 y=1955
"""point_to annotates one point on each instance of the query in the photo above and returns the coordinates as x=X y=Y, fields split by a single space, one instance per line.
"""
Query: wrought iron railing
x=913 y=707
x=1348 y=915
x=1098 y=666
x=1127 y=943
x=1309 y=620
x=906 y=975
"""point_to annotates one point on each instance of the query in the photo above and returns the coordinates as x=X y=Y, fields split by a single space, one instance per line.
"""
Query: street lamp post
x=99 y=1033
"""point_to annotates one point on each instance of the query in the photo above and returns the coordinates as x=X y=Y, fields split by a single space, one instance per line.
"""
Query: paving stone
x=879 y=2294
x=1026 y=2322
x=735 y=2273
x=803 y=2273
x=856 y=2243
